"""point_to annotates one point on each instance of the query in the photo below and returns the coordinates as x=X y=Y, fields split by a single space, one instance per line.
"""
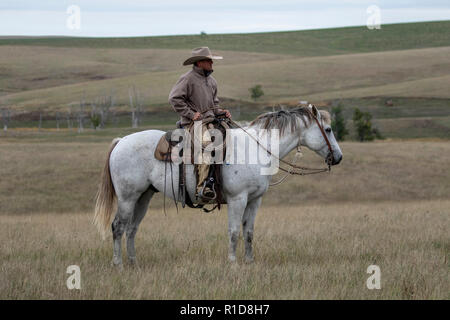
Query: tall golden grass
x=301 y=252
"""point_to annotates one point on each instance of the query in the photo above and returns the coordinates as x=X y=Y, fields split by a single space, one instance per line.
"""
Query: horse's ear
x=315 y=112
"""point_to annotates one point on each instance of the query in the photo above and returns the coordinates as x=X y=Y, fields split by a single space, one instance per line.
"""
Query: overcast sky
x=145 y=17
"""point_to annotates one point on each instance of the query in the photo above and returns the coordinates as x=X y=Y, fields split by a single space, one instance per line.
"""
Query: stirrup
x=203 y=196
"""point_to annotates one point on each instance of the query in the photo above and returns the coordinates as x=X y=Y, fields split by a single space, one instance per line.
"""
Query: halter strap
x=323 y=134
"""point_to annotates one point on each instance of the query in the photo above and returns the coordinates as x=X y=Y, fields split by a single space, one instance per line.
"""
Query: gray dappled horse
x=133 y=175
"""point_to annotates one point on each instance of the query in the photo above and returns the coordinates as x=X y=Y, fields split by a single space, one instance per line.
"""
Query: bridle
x=303 y=170
x=330 y=149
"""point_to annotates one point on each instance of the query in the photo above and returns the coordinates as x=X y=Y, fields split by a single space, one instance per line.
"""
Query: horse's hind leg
x=124 y=213
x=139 y=212
x=248 y=223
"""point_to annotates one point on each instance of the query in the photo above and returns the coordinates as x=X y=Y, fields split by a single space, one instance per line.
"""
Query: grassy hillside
x=24 y=68
x=323 y=77
x=302 y=43
x=409 y=73
x=407 y=62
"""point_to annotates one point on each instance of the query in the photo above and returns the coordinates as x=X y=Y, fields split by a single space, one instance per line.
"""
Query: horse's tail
x=104 y=204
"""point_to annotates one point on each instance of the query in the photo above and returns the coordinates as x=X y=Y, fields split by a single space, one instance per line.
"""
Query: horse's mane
x=287 y=119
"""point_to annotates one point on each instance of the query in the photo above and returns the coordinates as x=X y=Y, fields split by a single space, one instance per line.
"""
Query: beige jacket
x=192 y=93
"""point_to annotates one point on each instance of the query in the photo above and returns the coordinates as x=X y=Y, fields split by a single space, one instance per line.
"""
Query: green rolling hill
x=357 y=66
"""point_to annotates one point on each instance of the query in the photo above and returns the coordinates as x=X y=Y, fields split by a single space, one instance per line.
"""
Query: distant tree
x=57 y=120
x=6 y=116
x=203 y=33
x=136 y=106
x=80 y=117
x=69 y=118
x=106 y=103
x=338 y=123
x=256 y=92
x=40 y=120
x=363 y=125
x=95 y=120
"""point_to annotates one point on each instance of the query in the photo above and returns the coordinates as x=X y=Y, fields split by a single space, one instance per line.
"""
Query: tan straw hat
x=201 y=53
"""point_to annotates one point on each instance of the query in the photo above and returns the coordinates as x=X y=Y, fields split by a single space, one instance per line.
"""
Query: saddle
x=166 y=147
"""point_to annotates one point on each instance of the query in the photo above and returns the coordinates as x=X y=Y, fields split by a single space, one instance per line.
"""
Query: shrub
x=256 y=92
x=338 y=123
x=363 y=125
x=95 y=120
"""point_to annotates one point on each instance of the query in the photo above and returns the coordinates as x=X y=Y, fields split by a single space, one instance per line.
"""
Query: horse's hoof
x=249 y=260
x=133 y=262
x=117 y=265
x=232 y=259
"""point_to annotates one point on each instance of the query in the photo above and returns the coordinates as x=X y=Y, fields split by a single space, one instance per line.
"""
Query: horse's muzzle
x=331 y=160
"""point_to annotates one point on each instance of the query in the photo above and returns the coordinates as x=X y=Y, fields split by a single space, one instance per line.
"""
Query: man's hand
x=227 y=113
x=197 y=116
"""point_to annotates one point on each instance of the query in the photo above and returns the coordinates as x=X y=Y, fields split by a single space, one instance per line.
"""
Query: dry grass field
x=386 y=204
x=62 y=176
x=302 y=252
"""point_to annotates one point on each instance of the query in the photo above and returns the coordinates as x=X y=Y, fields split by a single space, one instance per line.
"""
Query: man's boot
x=204 y=187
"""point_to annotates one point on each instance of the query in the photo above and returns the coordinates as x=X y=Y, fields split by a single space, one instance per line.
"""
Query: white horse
x=133 y=175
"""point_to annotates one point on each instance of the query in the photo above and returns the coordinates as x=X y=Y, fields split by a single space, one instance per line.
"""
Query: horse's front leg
x=236 y=207
x=248 y=223
x=140 y=210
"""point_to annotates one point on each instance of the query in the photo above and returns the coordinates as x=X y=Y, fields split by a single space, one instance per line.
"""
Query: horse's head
x=320 y=138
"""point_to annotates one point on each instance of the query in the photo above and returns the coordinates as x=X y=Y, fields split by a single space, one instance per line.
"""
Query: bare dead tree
x=57 y=120
x=133 y=111
x=136 y=106
x=69 y=118
x=40 y=120
x=114 y=116
x=113 y=98
x=81 y=116
x=6 y=117
x=110 y=109
x=94 y=116
x=106 y=104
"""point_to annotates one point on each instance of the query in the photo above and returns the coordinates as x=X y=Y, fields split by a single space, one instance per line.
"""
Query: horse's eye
x=328 y=130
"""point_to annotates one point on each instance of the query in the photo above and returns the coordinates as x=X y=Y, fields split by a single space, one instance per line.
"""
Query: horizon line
x=199 y=33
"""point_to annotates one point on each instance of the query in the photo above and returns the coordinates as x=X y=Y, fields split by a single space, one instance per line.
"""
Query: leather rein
x=299 y=153
x=291 y=171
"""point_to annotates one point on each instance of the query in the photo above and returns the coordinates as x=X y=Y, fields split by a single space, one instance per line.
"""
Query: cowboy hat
x=201 y=53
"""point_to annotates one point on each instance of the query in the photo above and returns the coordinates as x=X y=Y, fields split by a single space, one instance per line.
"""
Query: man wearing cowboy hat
x=194 y=97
